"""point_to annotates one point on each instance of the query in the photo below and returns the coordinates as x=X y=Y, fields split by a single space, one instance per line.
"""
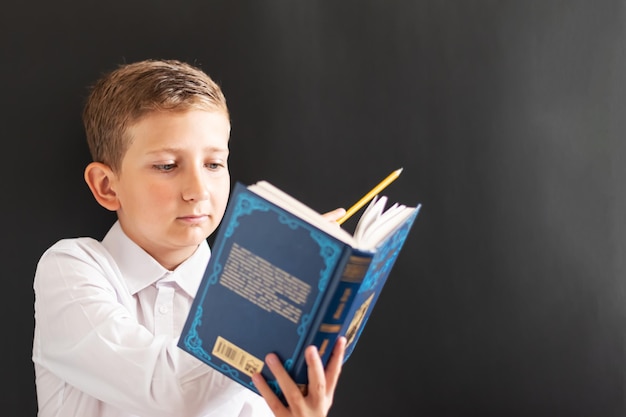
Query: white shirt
x=107 y=320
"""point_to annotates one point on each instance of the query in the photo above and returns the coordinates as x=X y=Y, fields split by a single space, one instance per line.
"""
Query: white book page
x=386 y=224
x=370 y=215
x=376 y=223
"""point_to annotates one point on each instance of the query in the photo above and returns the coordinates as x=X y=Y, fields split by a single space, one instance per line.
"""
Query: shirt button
x=163 y=309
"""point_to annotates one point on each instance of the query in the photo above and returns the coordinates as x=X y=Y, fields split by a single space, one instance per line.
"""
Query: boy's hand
x=321 y=388
x=335 y=215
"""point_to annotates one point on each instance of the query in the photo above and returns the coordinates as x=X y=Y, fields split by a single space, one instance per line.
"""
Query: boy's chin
x=199 y=234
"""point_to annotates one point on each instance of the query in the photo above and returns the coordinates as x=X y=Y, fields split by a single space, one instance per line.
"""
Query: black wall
x=507 y=116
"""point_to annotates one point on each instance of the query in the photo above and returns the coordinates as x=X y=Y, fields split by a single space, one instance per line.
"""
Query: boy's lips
x=194 y=218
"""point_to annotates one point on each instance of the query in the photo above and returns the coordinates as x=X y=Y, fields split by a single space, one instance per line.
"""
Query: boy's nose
x=195 y=187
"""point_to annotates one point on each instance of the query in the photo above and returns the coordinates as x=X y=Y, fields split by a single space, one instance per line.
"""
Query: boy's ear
x=99 y=178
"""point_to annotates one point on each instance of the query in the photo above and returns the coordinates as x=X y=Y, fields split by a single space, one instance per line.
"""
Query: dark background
x=507 y=116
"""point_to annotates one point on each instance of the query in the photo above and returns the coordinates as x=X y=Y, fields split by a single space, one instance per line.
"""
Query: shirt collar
x=140 y=270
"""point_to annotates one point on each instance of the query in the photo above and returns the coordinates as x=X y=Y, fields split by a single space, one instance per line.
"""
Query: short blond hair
x=123 y=96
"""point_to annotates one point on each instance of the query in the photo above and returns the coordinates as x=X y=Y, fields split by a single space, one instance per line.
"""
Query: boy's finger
x=268 y=394
x=335 y=214
x=334 y=365
x=287 y=385
x=316 y=375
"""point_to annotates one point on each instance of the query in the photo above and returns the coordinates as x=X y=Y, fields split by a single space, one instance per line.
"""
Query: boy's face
x=174 y=183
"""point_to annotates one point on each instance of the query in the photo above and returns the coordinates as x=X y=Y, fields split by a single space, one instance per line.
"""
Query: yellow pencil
x=367 y=197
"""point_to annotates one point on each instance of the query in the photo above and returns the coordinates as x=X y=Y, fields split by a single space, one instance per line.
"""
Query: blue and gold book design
x=278 y=283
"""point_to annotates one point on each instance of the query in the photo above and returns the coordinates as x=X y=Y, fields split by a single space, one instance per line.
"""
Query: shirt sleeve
x=87 y=335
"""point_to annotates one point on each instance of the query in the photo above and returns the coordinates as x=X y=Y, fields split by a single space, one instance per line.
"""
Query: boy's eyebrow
x=171 y=149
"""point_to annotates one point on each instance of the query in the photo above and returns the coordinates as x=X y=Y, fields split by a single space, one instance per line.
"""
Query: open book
x=282 y=277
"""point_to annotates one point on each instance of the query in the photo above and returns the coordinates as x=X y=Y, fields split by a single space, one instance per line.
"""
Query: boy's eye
x=164 y=167
x=214 y=166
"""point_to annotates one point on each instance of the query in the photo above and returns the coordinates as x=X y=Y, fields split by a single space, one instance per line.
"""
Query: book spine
x=336 y=312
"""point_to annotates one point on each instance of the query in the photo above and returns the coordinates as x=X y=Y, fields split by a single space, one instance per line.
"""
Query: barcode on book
x=236 y=357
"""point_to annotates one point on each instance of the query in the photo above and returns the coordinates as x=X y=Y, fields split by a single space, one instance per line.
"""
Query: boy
x=108 y=313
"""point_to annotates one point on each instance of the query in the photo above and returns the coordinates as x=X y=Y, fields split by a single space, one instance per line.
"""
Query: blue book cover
x=278 y=281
